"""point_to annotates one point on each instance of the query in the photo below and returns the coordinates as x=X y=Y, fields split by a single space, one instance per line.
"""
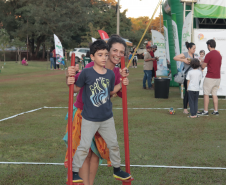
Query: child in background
x=130 y=55
x=193 y=77
x=77 y=68
x=81 y=60
x=97 y=113
x=201 y=59
x=86 y=59
x=24 y=62
x=201 y=55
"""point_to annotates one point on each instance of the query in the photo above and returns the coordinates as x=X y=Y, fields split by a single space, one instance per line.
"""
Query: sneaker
x=215 y=113
x=203 y=113
x=144 y=87
x=121 y=175
x=76 y=177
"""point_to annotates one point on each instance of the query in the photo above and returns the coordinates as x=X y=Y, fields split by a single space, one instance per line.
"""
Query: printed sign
x=158 y=39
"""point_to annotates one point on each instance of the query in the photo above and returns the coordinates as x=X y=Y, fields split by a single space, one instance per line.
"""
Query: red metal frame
x=126 y=130
x=125 y=123
x=70 y=114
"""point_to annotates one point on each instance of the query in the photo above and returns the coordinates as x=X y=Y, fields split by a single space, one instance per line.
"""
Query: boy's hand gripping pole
x=70 y=113
x=125 y=124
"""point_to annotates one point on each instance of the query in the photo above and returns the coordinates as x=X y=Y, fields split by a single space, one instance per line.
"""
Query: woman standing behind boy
x=193 y=78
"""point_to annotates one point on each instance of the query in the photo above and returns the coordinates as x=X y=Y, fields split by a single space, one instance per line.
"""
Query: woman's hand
x=124 y=72
x=186 y=61
x=71 y=71
x=125 y=81
x=70 y=80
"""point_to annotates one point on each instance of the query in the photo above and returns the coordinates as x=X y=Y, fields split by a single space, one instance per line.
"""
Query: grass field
x=156 y=138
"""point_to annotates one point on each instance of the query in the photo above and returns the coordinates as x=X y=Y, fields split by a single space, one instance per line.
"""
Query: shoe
x=135 y=66
x=76 y=177
x=144 y=87
x=215 y=113
x=203 y=113
x=121 y=175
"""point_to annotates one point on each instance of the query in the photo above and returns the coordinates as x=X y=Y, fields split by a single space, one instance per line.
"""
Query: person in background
x=134 y=58
x=154 y=49
x=51 y=61
x=86 y=59
x=201 y=56
x=24 y=62
x=54 y=58
x=81 y=60
x=213 y=61
x=148 y=67
x=193 y=78
x=130 y=55
x=186 y=58
x=57 y=63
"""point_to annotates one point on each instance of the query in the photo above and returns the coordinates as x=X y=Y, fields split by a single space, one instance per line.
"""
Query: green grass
x=156 y=138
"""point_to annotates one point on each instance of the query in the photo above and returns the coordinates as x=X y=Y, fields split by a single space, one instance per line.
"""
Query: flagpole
x=118 y=17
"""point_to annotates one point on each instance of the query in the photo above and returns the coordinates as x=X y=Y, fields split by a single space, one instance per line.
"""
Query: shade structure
x=128 y=43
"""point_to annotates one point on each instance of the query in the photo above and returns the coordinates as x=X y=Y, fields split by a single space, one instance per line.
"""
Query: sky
x=137 y=8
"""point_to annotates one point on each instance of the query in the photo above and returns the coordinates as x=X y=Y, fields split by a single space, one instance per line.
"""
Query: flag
x=103 y=34
x=93 y=39
x=59 y=51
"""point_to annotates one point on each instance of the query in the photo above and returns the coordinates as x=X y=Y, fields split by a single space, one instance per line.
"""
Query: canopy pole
x=192 y=21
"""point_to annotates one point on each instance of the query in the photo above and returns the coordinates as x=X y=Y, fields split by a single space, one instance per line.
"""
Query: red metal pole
x=70 y=113
x=125 y=123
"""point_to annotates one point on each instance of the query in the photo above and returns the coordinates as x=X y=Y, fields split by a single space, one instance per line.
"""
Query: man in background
x=212 y=80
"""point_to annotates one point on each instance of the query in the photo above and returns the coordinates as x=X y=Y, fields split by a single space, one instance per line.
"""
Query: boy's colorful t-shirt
x=79 y=103
x=96 y=94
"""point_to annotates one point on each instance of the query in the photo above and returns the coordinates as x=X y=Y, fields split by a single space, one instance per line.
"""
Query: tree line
x=73 y=21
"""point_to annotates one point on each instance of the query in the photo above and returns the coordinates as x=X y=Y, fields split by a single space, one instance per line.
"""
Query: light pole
x=118 y=18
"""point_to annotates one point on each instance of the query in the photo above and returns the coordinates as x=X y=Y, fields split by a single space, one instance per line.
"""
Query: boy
x=97 y=113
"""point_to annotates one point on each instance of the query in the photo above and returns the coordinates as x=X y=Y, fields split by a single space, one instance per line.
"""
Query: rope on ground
x=141 y=166
x=45 y=107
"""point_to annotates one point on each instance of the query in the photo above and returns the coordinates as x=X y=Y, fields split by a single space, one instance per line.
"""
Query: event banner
x=166 y=41
x=103 y=34
x=186 y=32
x=180 y=65
x=210 y=9
x=158 y=39
x=59 y=51
x=201 y=36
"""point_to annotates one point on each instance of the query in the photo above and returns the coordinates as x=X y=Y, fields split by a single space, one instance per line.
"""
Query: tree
x=142 y=22
x=92 y=32
x=40 y=21
x=4 y=41
x=19 y=45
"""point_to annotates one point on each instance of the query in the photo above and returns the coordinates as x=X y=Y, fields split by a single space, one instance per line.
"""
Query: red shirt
x=213 y=60
x=54 y=52
x=79 y=102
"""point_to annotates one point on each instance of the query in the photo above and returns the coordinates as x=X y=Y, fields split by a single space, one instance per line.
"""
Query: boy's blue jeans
x=147 y=77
